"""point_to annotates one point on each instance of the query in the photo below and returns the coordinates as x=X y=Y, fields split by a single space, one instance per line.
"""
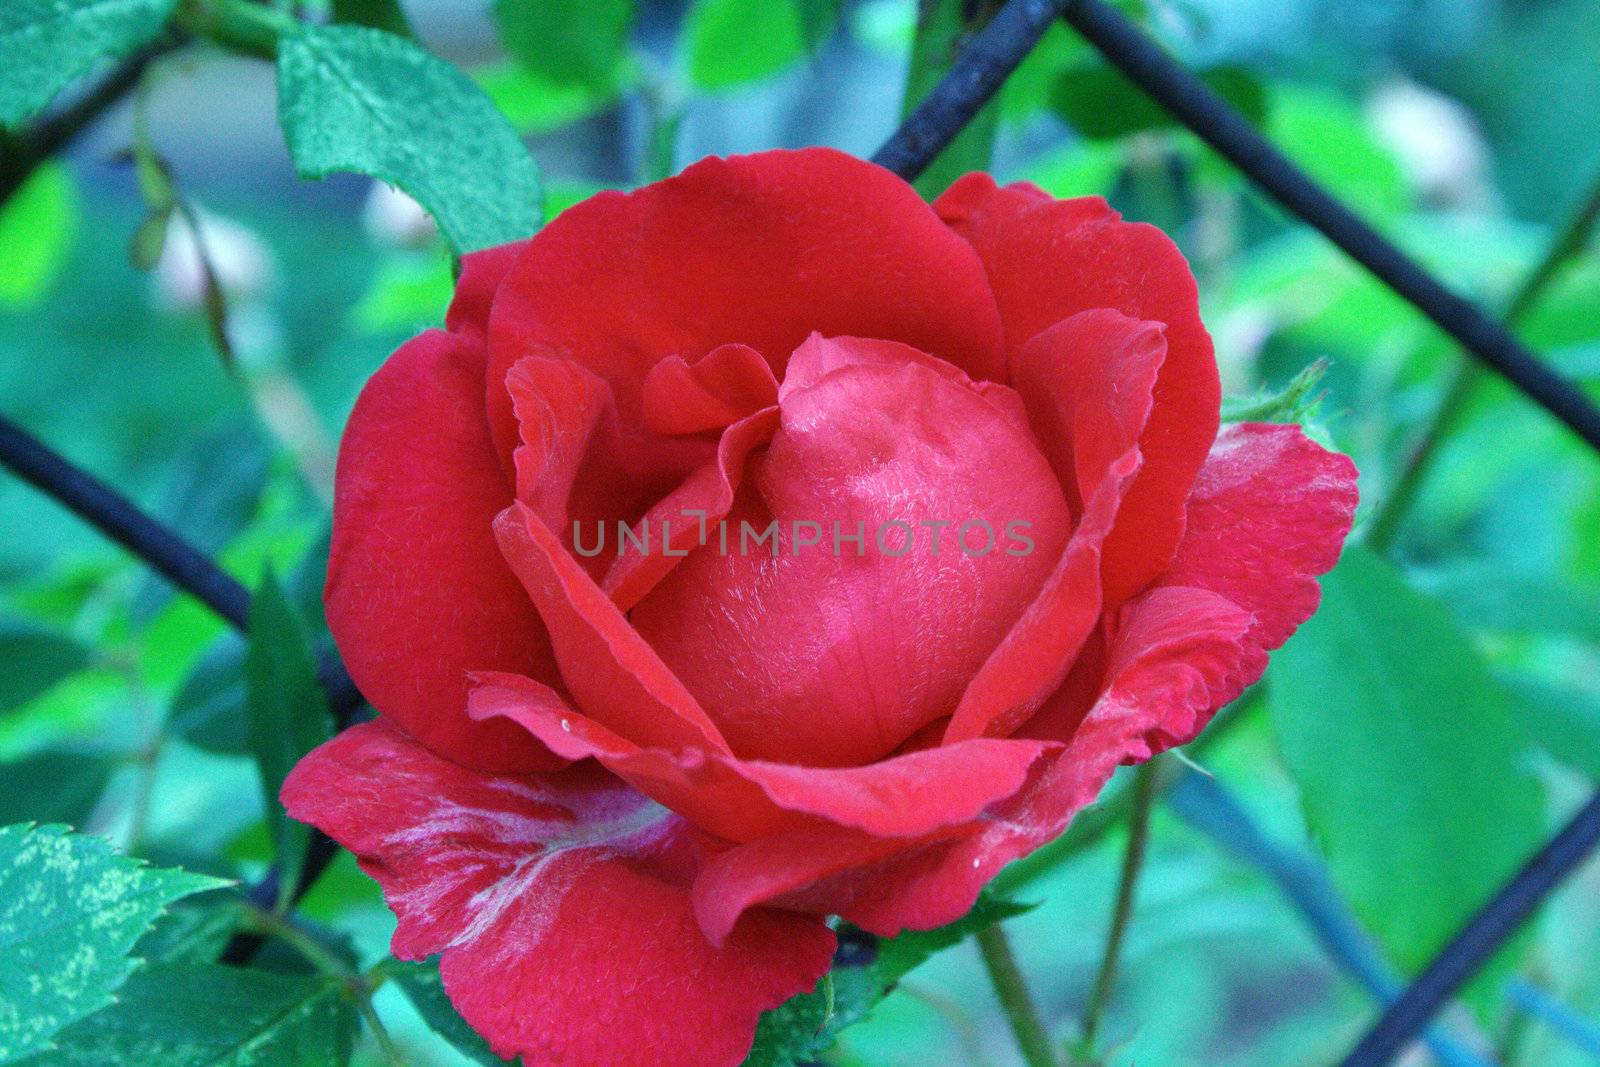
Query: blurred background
x=1467 y=131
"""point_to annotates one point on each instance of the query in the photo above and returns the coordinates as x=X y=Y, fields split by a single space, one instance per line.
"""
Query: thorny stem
x=1016 y=1002
x=1468 y=375
x=1144 y=791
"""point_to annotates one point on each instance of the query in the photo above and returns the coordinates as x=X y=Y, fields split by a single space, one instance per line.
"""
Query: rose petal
x=833 y=654
x=1087 y=384
x=1270 y=512
x=759 y=249
x=481 y=275
x=560 y=904
x=683 y=519
x=612 y=674
x=1164 y=675
x=1049 y=259
x=417 y=593
x=904 y=796
x=717 y=390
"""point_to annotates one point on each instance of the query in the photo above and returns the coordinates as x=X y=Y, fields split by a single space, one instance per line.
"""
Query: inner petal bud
x=878 y=549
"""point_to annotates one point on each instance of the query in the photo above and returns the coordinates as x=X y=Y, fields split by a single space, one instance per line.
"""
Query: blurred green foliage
x=1419 y=736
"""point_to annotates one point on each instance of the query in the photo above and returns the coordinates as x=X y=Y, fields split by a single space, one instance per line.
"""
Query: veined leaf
x=351 y=98
x=207 y=1015
x=70 y=909
x=46 y=44
x=285 y=710
x=1410 y=765
x=803 y=1028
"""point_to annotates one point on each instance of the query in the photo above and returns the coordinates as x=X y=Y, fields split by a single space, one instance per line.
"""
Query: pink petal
x=481 y=275
x=1050 y=259
x=683 y=519
x=904 y=796
x=1270 y=512
x=559 y=902
x=826 y=657
x=1168 y=664
x=1087 y=385
x=720 y=388
x=610 y=671
x=417 y=593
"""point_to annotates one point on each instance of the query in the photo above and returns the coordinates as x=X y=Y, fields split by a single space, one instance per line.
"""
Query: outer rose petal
x=417 y=593
x=481 y=275
x=759 y=249
x=1270 y=512
x=1048 y=259
x=903 y=796
x=560 y=905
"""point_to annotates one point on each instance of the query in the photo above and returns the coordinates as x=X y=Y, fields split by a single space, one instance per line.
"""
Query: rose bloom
x=622 y=795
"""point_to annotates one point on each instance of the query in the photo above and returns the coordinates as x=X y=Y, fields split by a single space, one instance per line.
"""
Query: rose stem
x=1015 y=1001
x=1132 y=864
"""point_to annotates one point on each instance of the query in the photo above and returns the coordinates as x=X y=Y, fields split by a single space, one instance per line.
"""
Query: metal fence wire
x=976 y=75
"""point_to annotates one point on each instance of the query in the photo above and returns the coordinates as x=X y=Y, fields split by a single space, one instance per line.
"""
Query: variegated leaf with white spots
x=70 y=911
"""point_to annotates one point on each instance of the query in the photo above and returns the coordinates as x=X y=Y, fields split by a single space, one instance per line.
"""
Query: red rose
x=620 y=792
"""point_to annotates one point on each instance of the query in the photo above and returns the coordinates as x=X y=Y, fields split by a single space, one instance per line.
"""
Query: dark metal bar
x=1225 y=130
x=120 y=519
x=1207 y=806
x=21 y=153
x=977 y=74
x=1478 y=940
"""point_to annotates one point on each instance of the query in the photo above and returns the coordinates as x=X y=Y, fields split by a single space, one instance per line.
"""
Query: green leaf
x=53 y=787
x=207 y=1015
x=425 y=989
x=1099 y=102
x=568 y=42
x=352 y=98
x=379 y=14
x=209 y=709
x=1328 y=136
x=943 y=28
x=35 y=659
x=817 y=20
x=36 y=228
x=46 y=44
x=535 y=105
x=1409 y=762
x=286 y=711
x=804 y=1027
x=192 y=931
x=734 y=42
x=70 y=909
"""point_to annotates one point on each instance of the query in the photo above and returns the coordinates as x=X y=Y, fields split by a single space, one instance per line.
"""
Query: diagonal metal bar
x=21 y=153
x=976 y=75
x=1207 y=806
x=1224 y=129
x=114 y=515
x=1477 y=941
